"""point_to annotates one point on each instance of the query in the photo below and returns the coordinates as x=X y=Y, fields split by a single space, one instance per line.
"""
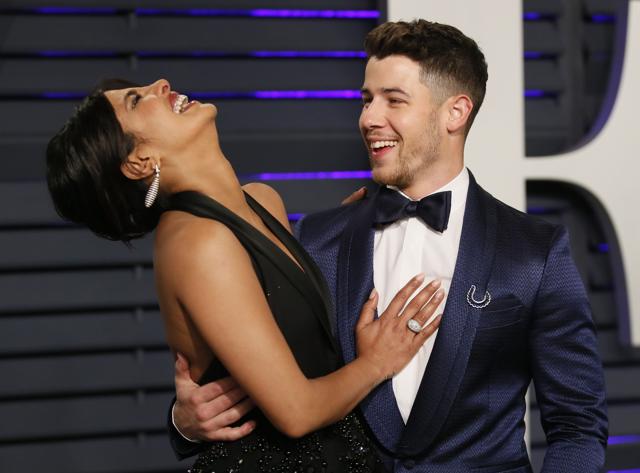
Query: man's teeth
x=382 y=144
x=181 y=101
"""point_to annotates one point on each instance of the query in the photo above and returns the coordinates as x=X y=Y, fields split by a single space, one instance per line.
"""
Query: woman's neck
x=212 y=176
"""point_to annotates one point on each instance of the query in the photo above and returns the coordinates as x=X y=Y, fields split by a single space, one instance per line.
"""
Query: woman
x=238 y=294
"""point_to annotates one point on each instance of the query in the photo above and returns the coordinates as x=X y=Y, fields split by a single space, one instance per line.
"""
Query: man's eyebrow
x=386 y=91
x=394 y=90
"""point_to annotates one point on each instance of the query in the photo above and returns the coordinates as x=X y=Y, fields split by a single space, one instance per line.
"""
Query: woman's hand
x=356 y=196
x=386 y=342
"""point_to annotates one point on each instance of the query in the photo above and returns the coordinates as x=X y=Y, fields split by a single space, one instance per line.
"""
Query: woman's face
x=160 y=117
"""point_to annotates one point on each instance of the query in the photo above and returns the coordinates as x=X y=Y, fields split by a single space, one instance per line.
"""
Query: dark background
x=85 y=376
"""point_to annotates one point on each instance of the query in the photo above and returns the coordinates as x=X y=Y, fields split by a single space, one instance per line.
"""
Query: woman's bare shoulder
x=182 y=239
x=269 y=198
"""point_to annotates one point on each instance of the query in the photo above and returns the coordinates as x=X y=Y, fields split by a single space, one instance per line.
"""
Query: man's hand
x=206 y=412
x=356 y=196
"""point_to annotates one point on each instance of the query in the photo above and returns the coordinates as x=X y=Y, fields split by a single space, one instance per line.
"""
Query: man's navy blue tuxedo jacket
x=469 y=411
x=468 y=415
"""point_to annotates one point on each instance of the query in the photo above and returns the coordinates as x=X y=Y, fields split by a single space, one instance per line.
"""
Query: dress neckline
x=273 y=224
x=305 y=274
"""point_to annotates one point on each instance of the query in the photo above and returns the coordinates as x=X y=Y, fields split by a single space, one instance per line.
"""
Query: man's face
x=399 y=121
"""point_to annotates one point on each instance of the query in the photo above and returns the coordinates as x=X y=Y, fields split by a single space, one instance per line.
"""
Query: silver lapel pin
x=481 y=304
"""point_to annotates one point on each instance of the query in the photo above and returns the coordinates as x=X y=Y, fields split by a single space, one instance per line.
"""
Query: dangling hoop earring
x=152 y=192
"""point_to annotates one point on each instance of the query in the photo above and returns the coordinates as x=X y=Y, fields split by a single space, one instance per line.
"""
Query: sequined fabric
x=340 y=448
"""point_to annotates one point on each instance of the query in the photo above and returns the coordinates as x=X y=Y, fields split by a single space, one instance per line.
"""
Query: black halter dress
x=300 y=304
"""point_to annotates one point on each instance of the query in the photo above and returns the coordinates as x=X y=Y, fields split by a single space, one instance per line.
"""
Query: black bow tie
x=433 y=210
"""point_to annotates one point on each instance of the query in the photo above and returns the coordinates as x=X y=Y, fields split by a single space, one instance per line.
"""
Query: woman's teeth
x=382 y=144
x=179 y=104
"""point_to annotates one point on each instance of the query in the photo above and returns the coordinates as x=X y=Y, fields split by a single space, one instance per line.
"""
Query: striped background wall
x=85 y=378
x=569 y=47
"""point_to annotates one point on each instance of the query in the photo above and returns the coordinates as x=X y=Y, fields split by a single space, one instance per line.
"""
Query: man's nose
x=372 y=115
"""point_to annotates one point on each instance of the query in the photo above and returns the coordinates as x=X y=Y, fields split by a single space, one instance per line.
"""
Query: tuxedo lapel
x=355 y=282
x=355 y=275
x=450 y=354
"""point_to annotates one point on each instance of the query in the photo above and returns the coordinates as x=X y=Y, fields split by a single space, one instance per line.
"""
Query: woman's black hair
x=84 y=176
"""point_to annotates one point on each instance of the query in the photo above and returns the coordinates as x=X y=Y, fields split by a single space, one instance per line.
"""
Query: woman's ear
x=140 y=164
x=459 y=109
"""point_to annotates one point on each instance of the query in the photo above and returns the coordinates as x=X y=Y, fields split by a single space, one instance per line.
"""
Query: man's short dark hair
x=451 y=62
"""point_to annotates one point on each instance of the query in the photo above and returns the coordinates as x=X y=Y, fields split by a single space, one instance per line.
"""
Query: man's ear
x=140 y=164
x=459 y=108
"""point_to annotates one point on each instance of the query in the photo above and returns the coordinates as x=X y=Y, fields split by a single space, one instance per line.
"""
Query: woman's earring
x=152 y=192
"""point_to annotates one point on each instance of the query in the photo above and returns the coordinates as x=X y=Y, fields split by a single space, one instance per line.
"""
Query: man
x=516 y=309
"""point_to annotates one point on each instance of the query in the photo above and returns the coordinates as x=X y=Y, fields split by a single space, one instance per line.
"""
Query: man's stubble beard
x=412 y=162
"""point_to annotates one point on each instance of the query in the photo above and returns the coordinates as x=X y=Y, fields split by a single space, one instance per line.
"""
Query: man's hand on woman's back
x=205 y=413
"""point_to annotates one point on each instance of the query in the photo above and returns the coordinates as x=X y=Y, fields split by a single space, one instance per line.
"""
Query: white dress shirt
x=409 y=247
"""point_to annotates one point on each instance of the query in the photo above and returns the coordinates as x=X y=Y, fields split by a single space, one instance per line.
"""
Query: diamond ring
x=414 y=326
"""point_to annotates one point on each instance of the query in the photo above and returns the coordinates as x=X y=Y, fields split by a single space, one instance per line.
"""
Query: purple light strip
x=222 y=54
x=279 y=95
x=537 y=16
x=307 y=176
x=211 y=12
x=604 y=248
x=205 y=54
x=266 y=95
x=308 y=94
x=260 y=95
x=539 y=94
x=295 y=217
x=334 y=54
x=72 y=11
x=595 y=18
x=191 y=12
x=371 y=14
x=63 y=95
x=532 y=55
x=539 y=55
x=603 y=18
x=623 y=439
x=77 y=54
x=262 y=13
x=531 y=16
x=534 y=93
x=635 y=470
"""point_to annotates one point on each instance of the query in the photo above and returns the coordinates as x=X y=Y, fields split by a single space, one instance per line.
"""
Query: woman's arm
x=215 y=283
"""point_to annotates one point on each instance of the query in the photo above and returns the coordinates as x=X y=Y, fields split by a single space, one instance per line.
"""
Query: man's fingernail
x=419 y=277
x=373 y=293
